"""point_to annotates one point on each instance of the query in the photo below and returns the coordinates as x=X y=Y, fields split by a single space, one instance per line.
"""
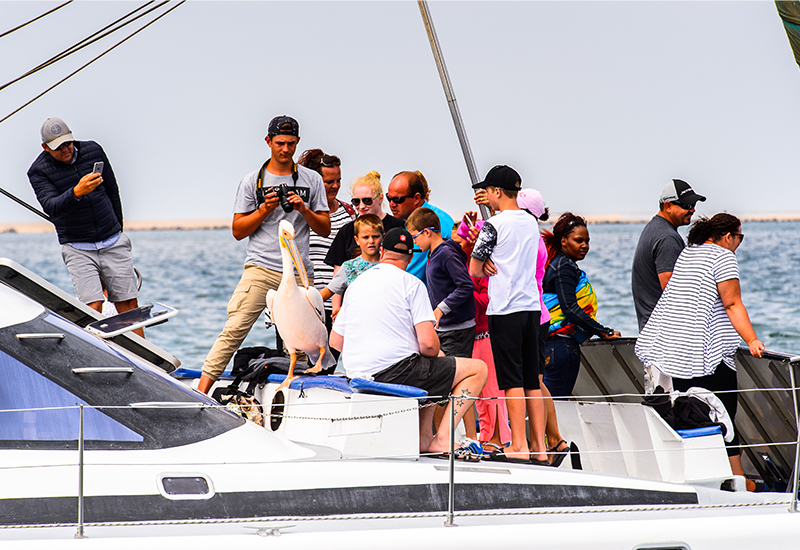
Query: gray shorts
x=113 y=264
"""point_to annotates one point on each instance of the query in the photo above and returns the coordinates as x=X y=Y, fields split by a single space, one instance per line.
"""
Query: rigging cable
x=86 y=41
x=90 y=62
x=35 y=19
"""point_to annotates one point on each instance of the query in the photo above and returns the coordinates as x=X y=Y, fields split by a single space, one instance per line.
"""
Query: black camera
x=283 y=196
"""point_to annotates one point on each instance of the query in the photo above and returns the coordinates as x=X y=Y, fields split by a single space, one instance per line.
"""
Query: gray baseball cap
x=55 y=132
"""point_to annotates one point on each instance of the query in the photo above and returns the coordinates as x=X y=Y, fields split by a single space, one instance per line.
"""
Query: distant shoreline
x=190 y=225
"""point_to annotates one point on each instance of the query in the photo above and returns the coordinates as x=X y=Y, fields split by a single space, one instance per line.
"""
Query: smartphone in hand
x=98 y=167
x=468 y=221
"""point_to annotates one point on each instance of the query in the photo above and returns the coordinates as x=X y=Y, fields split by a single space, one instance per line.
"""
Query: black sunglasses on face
x=398 y=200
x=330 y=161
x=740 y=235
x=366 y=200
x=684 y=206
x=65 y=144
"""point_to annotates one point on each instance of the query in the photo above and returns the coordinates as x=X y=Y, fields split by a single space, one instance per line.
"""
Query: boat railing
x=451 y=513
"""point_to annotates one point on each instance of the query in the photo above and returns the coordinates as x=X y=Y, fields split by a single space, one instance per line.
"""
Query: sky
x=596 y=104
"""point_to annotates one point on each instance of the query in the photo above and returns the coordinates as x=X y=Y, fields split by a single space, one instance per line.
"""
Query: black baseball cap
x=501 y=176
x=399 y=240
x=680 y=191
x=283 y=126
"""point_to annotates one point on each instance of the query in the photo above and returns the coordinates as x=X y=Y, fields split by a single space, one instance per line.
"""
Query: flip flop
x=500 y=456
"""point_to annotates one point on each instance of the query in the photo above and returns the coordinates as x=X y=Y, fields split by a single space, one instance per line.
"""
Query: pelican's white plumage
x=298 y=312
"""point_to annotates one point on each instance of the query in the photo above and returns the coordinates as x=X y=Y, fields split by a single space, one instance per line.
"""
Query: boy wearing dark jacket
x=450 y=287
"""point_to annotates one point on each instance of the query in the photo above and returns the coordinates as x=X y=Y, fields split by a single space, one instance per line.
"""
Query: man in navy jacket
x=85 y=207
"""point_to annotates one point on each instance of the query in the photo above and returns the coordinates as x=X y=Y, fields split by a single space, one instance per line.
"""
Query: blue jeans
x=562 y=363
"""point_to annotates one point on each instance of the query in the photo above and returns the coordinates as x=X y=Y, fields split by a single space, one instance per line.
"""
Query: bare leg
x=469 y=422
x=736 y=468
x=97 y=306
x=471 y=375
x=426 y=428
x=516 y=417
x=127 y=305
x=535 y=407
x=551 y=422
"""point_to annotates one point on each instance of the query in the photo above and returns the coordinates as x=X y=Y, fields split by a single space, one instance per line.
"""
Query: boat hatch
x=128 y=403
x=185 y=486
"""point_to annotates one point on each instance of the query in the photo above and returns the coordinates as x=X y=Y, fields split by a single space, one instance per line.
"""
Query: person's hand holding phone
x=89 y=182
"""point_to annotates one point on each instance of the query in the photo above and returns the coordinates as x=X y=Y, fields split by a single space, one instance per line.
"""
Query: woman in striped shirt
x=329 y=167
x=693 y=333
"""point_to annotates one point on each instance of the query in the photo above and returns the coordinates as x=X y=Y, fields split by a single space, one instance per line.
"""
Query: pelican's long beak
x=287 y=241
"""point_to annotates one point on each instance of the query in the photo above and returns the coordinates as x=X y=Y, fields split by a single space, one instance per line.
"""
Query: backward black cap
x=283 y=125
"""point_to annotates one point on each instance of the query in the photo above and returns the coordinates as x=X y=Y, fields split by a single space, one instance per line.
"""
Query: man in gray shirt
x=258 y=210
x=659 y=247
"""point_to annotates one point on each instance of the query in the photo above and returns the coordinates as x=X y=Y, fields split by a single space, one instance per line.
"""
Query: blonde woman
x=367 y=198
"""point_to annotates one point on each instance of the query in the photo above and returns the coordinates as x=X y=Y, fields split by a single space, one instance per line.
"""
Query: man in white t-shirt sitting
x=385 y=331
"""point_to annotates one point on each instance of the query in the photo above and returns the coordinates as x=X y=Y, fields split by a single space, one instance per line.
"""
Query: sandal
x=559 y=456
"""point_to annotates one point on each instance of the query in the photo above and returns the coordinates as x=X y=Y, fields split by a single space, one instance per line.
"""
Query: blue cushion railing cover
x=329 y=382
x=699 y=432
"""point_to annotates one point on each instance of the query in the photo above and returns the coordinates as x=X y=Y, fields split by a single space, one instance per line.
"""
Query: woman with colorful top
x=572 y=304
x=694 y=330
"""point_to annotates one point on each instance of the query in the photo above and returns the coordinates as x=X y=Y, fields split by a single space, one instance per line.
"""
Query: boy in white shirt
x=506 y=251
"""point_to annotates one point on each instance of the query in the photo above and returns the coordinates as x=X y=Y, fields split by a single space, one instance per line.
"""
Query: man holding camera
x=279 y=190
x=76 y=187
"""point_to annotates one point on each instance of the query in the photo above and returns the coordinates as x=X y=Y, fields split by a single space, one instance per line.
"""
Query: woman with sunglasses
x=571 y=301
x=693 y=333
x=329 y=167
x=367 y=199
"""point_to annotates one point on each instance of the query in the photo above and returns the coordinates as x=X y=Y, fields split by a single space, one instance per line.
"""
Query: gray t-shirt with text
x=263 y=246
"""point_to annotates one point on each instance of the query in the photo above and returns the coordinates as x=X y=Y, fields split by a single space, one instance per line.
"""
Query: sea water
x=196 y=271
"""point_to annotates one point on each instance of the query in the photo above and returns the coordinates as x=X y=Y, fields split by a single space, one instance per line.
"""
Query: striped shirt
x=689 y=334
x=318 y=248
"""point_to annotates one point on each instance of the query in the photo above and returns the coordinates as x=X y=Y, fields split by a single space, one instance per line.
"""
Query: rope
x=18 y=27
x=90 y=62
x=85 y=42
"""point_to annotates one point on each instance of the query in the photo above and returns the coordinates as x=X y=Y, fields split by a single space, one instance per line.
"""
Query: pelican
x=298 y=312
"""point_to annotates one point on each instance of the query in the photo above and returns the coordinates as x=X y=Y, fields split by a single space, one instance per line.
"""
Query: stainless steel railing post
x=793 y=362
x=80 y=534
x=451 y=501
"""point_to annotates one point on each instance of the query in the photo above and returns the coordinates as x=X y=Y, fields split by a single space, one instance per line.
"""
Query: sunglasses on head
x=330 y=161
x=65 y=144
x=366 y=200
x=398 y=200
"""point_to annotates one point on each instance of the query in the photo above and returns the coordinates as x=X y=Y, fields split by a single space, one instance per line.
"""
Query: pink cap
x=532 y=201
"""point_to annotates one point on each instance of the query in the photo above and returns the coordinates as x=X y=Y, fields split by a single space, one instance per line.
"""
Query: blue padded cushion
x=699 y=432
x=399 y=390
x=181 y=372
x=338 y=383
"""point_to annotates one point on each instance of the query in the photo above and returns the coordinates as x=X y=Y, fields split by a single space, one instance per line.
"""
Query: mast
x=451 y=99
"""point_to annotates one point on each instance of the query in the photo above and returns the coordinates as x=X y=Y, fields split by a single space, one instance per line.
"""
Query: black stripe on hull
x=329 y=501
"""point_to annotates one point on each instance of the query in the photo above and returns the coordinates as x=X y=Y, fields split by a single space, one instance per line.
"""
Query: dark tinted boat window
x=22 y=389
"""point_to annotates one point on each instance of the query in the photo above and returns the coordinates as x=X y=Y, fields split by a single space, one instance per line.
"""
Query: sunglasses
x=398 y=200
x=418 y=233
x=330 y=161
x=366 y=200
x=684 y=206
x=740 y=235
x=65 y=144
